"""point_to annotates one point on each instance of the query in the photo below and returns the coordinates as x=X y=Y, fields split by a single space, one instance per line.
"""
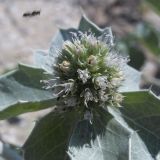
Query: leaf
x=100 y=140
x=86 y=25
x=21 y=92
x=67 y=34
x=61 y=36
x=50 y=137
x=107 y=137
x=142 y=113
x=128 y=133
x=152 y=83
x=132 y=80
x=40 y=60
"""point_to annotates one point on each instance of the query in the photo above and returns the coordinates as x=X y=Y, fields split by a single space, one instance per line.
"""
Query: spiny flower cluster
x=87 y=72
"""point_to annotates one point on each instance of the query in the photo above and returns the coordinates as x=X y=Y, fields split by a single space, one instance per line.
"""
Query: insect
x=32 y=14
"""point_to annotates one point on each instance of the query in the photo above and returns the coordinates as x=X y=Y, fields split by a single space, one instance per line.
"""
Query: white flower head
x=88 y=72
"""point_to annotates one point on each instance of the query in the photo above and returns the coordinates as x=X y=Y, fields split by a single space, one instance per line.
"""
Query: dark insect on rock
x=32 y=14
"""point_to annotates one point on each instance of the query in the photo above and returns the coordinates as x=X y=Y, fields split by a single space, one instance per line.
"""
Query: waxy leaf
x=132 y=80
x=142 y=113
x=128 y=133
x=103 y=138
x=21 y=92
x=50 y=137
x=106 y=137
x=86 y=25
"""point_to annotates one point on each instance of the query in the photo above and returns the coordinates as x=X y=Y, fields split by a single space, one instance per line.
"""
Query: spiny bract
x=88 y=72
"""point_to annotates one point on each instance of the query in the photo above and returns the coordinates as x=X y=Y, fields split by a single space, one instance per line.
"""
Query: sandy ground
x=19 y=36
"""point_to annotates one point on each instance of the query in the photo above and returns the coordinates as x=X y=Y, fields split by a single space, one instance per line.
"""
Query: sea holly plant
x=99 y=112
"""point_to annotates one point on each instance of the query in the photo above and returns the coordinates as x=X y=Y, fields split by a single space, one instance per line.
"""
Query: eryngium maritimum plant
x=85 y=81
x=87 y=72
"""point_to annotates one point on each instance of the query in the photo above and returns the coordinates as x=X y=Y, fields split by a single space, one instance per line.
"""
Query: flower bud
x=64 y=66
x=118 y=98
x=92 y=60
x=116 y=81
x=80 y=50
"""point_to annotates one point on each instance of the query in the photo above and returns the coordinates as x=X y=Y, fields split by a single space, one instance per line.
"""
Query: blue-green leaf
x=86 y=25
x=141 y=111
x=50 y=137
x=21 y=92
